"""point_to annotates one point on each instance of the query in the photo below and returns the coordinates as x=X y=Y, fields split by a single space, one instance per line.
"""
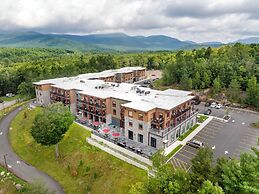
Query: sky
x=196 y=20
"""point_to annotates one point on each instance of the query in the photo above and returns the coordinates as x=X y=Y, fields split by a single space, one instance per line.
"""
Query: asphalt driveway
x=16 y=164
x=226 y=139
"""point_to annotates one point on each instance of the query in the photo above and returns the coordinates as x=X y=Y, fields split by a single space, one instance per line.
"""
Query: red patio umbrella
x=83 y=119
x=96 y=123
x=106 y=130
x=116 y=134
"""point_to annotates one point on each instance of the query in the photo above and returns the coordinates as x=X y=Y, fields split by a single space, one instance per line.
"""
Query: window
x=140 y=116
x=140 y=126
x=140 y=138
x=130 y=135
x=113 y=103
x=130 y=113
x=130 y=124
x=114 y=112
x=153 y=142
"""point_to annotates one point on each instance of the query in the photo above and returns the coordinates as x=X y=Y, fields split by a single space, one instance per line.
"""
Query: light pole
x=5 y=161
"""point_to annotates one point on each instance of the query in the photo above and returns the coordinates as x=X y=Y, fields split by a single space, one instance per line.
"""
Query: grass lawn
x=82 y=168
x=6 y=183
x=202 y=118
x=182 y=137
x=9 y=98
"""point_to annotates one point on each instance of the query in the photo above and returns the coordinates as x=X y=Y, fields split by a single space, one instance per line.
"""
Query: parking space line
x=203 y=138
x=250 y=139
x=184 y=156
x=191 y=148
x=250 y=135
x=175 y=163
x=189 y=168
x=210 y=132
x=179 y=163
x=172 y=162
x=189 y=152
x=243 y=147
x=182 y=164
x=246 y=143
x=204 y=134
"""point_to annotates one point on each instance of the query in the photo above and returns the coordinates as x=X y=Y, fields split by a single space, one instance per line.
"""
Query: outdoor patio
x=116 y=135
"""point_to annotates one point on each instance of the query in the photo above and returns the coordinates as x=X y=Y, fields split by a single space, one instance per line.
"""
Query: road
x=16 y=164
x=226 y=139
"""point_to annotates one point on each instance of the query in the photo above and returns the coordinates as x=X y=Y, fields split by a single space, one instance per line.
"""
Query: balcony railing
x=162 y=132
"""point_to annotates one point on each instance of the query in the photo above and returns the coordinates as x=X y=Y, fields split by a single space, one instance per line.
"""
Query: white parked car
x=213 y=105
x=218 y=106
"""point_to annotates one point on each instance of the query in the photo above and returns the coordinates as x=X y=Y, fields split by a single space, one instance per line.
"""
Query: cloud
x=198 y=20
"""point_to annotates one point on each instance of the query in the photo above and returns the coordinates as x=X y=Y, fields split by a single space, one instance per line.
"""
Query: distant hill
x=249 y=40
x=115 y=41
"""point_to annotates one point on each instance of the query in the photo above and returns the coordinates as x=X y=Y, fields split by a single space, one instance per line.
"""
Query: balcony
x=157 y=121
x=162 y=132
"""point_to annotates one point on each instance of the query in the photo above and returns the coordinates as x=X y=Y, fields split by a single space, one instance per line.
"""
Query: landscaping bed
x=182 y=137
x=202 y=118
x=173 y=151
x=82 y=168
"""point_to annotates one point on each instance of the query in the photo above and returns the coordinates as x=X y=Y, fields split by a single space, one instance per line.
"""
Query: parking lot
x=226 y=139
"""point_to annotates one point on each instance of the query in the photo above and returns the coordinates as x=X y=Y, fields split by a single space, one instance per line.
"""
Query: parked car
x=122 y=144
x=207 y=104
x=213 y=105
x=208 y=112
x=9 y=95
x=218 y=106
x=1 y=101
x=195 y=144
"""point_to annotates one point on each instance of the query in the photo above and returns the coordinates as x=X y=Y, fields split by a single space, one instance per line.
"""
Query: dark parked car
x=208 y=112
x=132 y=148
x=195 y=144
x=122 y=144
x=1 y=101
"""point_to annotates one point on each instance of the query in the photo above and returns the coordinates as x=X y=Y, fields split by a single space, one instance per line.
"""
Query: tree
x=51 y=124
x=26 y=90
x=216 y=85
x=197 y=80
x=185 y=82
x=252 y=92
x=202 y=168
x=209 y=188
x=234 y=89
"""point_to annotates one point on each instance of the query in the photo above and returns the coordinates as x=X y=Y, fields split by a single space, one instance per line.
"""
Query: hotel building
x=152 y=117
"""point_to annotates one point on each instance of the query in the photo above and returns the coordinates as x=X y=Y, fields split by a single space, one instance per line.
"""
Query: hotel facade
x=152 y=117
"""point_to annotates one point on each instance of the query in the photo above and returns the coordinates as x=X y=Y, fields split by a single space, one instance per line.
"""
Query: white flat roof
x=145 y=101
x=87 y=76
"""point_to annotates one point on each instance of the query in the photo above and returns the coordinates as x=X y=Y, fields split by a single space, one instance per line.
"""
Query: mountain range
x=102 y=42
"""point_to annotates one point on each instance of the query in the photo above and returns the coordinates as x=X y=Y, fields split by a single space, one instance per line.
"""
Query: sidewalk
x=189 y=137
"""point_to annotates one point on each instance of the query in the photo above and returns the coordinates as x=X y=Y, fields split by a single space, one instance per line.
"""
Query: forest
x=230 y=68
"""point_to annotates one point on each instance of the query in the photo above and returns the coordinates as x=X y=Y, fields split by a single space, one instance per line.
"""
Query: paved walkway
x=189 y=137
x=16 y=164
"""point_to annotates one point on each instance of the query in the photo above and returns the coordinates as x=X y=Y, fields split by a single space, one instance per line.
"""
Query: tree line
x=231 y=68
x=19 y=67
